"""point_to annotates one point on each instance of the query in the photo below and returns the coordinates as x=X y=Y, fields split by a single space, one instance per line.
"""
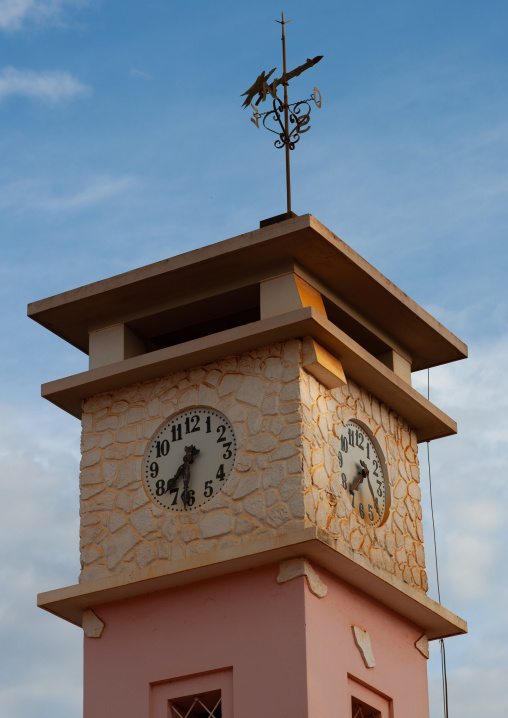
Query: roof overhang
x=363 y=292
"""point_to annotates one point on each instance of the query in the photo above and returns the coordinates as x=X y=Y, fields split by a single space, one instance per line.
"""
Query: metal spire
x=290 y=112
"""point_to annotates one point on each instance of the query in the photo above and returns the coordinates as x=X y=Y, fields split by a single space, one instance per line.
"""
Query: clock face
x=189 y=459
x=364 y=474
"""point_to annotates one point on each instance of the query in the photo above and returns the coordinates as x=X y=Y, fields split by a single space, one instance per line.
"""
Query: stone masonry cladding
x=286 y=474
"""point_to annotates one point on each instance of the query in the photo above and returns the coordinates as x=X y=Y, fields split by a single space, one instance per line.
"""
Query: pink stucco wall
x=244 y=621
x=290 y=652
x=400 y=674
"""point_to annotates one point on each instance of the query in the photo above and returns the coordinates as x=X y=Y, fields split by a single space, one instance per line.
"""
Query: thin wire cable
x=433 y=524
x=441 y=641
x=445 y=680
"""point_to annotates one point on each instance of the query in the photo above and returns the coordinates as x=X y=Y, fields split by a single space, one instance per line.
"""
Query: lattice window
x=204 y=705
x=360 y=709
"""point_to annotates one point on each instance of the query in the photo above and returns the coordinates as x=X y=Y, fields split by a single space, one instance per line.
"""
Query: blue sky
x=123 y=141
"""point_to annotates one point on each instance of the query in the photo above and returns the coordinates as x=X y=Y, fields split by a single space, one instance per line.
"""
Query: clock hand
x=374 y=498
x=360 y=476
x=365 y=473
x=356 y=483
x=184 y=470
x=172 y=482
x=188 y=459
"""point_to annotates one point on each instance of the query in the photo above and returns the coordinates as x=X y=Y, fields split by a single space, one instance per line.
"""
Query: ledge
x=428 y=421
x=436 y=621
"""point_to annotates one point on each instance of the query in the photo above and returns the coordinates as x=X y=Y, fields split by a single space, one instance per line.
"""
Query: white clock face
x=189 y=459
x=363 y=474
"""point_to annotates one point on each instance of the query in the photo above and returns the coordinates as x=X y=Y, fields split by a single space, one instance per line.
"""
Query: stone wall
x=397 y=545
x=121 y=529
x=286 y=426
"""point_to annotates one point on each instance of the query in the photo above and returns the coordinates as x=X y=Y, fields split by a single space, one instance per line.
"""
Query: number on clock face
x=189 y=459
x=363 y=474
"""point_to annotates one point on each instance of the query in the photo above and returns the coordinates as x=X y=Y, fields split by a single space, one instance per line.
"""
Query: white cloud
x=472 y=389
x=476 y=689
x=39 y=540
x=14 y=13
x=470 y=496
x=47 y=86
x=469 y=471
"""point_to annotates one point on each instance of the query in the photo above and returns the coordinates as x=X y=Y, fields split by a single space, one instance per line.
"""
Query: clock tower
x=251 y=536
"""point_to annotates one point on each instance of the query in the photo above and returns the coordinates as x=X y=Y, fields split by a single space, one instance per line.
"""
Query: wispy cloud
x=98 y=190
x=39 y=196
x=46 y=86
x=14 y=13
x=140 y=73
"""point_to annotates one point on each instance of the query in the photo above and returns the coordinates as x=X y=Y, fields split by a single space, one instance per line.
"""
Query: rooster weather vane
x=284 y=113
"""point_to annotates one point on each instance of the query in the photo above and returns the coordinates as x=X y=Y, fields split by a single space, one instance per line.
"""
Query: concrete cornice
x=428 y=421
x=315 y=544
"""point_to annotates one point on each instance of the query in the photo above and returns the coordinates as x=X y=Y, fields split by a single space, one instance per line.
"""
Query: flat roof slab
x=242 y=261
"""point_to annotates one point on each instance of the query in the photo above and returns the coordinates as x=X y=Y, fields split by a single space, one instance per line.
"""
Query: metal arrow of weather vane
x=284 y=113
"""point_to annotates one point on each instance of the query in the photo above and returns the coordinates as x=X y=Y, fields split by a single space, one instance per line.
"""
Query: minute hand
x=374 y=499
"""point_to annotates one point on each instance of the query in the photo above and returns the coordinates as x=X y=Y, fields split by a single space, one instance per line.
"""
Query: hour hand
x=356 y=483
x=360 y=476
x=179 y=472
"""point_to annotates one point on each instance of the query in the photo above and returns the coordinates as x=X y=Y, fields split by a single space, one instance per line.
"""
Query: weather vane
x=284 y=113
